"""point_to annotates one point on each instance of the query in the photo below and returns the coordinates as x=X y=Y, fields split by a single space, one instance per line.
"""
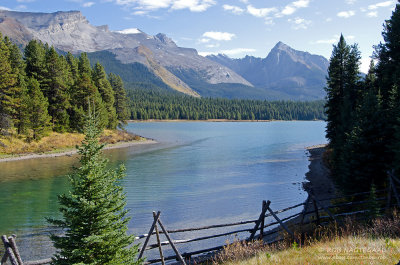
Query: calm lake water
x=198 y=173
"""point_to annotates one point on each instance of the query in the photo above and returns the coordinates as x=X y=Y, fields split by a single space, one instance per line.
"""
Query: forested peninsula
x=44 y=97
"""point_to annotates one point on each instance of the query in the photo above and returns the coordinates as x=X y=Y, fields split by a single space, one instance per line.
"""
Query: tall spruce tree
x=35 y=60
x=388 y=80
x=94 y=215
x=343 y=97
x=55 y=87
x=121 y=100
x=37 y=104
x=8 y=82
x=107 y=94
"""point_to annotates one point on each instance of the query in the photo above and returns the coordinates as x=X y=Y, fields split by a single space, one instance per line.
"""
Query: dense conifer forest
x=42 y=91
x=363 y=114
x=157 y=104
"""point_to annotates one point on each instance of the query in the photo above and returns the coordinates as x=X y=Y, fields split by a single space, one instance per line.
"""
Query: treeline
x=363 y=114
x=162 y=105
x=43 y=91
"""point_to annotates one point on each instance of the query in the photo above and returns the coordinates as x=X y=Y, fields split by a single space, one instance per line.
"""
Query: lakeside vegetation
x=42 y=92
x=160 y=105
x=363 y=114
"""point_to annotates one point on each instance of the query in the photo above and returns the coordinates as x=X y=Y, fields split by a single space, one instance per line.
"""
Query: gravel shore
x=73 y=152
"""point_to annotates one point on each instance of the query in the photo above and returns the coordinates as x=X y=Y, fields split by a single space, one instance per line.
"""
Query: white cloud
x=234 y=9
x=381 y=4
x=372 y=14
x=334 y=40
x=299 y=23
x=216 y=45
x=129 y=31
x=244 y=1
x=216 y=35
x=88 y=4
x=351 y=2
x=140 y=13
x=292 y=7
x=329 y=19
x=151 y=5
x=21 y=7
x=204 y=40
x=346 y=14
x=260 y=12
x=237 y=51
x=5 y=8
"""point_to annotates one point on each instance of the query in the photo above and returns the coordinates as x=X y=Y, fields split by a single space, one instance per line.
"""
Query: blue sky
x=236 y=27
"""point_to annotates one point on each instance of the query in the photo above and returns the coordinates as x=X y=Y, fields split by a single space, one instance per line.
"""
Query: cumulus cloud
x=292 y=7
x=88 y=4
x=260 y=12
x=346 y=14
x=152 y=5
x=381 y=4
x=351 y=2
x=299 y=23
x=234 y=9
x=5 y=8
x=372 y=14
x=219 y=36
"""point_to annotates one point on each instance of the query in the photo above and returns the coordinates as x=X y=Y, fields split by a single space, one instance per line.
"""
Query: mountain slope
x=70 y=31
x=284 y=69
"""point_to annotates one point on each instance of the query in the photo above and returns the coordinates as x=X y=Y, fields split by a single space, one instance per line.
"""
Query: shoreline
x=73 y=151
x=318 y=175
x=210 y=120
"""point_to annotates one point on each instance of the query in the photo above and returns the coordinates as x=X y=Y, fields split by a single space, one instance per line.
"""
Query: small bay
x=198 y=173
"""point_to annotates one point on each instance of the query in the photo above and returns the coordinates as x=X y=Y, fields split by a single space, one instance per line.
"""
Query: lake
x=198 y=173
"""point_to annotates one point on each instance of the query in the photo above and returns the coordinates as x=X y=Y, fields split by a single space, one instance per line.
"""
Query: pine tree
x=94 y=215
x=8 y=82
x=343 y=97
x=121 y=101
x=388 y=80
x=35 y=60
x=39 y=119
x=55 y=87
x=20 y=115
x=107 y=94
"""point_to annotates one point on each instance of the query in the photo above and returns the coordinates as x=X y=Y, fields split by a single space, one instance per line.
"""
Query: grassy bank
x=58 y=142
x=376 y=242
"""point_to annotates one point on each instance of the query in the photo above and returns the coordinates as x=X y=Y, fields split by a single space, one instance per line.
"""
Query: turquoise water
x=198 y=173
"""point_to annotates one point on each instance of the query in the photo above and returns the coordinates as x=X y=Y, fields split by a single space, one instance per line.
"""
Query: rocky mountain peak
x=165 y=40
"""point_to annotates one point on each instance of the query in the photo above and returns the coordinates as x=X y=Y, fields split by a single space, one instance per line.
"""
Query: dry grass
x=377 y=242
x=59 y=142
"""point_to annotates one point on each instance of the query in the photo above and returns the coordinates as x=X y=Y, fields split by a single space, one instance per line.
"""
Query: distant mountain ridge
x=284 y=69
x=283 y=74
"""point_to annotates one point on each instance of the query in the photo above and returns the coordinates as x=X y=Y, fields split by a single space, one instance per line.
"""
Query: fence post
x=323 y=207
x=14 y=247
x=158 y=240
x=9 y=251
x=263 y=209
x=391 y=177
x=316 y=211
x=149 y=235
x=279 y=220
x=171 y=242
x=262 y=217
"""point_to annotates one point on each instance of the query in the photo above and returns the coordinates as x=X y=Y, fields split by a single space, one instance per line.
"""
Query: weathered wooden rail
x=295 y=217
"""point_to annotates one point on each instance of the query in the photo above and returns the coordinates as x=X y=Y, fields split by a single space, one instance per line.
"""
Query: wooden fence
x=290 y=220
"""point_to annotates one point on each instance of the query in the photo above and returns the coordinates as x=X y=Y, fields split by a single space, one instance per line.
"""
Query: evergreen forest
x=42 y=91
x=363 y=113
x=160 y=105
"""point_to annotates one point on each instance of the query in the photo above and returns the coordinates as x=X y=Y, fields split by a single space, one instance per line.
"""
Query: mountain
x=70 y=31
x=284 y=69
x=148 y=61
